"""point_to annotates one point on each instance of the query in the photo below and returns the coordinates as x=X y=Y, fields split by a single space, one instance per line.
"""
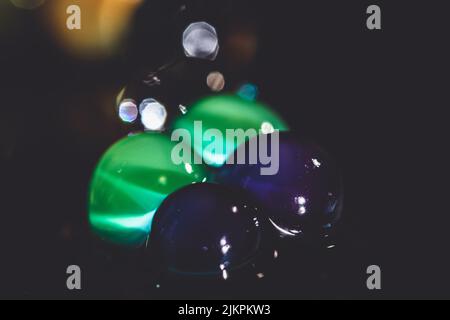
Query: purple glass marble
x=304 y=199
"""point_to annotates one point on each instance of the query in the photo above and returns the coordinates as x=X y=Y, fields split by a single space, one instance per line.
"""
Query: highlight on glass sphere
x=183 y=109
x=267 y=128
x=121 y=95
x=130 y=182
x=200 y=40
x=153 y=115
x=304 y=198
x=128 y=110
x=211 y=230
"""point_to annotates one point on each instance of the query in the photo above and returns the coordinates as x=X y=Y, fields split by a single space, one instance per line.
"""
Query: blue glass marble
x=210 y=230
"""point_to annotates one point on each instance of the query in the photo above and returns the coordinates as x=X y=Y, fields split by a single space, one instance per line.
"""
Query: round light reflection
x=153 y=115
x=128 y=111
x=200 y=41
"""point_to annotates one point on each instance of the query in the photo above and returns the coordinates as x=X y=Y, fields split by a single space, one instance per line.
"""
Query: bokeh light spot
x=216 y=81
x=200 y=41
x=128 y=111
x=153 y=115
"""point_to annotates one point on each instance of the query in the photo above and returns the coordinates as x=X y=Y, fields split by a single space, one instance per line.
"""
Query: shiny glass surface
x=304 y=198
x=209 y=230
x=223 y=113
x=130 y=182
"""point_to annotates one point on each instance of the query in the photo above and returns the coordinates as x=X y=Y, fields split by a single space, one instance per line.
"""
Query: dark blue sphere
x=210 y=230
x=304 y=198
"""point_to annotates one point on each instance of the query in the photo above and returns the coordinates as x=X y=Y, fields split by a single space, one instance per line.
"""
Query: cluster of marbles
x=212 y=217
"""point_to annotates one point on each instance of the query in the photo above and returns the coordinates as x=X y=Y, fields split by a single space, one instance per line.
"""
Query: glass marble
x=210 y=230
x=200 y=41
x=225 y=112
x=130 y=182
x=304 y=199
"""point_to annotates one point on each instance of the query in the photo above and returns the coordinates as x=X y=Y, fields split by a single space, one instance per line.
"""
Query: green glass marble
x=131 y=181
x=222 y=113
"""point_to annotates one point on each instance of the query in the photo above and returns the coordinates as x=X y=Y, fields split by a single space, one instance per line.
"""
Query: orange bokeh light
x=103 y=25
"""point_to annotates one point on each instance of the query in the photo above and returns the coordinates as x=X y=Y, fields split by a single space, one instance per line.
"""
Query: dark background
x=376 y=100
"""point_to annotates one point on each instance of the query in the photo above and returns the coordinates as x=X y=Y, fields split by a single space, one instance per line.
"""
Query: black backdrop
x=376 y=100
